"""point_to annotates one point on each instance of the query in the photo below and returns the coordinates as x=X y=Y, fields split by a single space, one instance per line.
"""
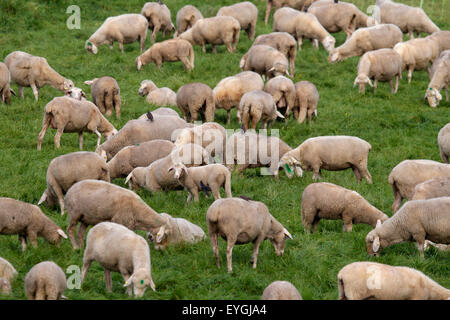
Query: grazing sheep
x=295 y=4
x=380 y=65
x=439 y=79
x=128 y=253
x=140 y=155
x=367 y=39
x=329 y=201
x=159 y=18
x=215 y=31
x=443 y=38
x=377 y=281
x=266 y=61
x=433 y=188
x=244 y=12
x=281 y=290
x=302 y=24
x=194 y=99
x=283 y=92
x=417 y=220
x=186 y=18
x=332 y=153
x=45 y=281
x=105 y=95
x=444 y=143
x=27 y=221
x=159 y=96
x=169 y=50
x=409 y=173
x=126 y=28
x=76 y=93
x=240 y=221
x=307 y=98
x=5 y=287
x=7 y=271
x=5 y=89
x=35 y=72
x=438 y=246
x=69 y=115
x=229 y=91
x=258 y=105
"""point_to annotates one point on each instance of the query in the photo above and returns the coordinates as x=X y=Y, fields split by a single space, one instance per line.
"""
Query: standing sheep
x=444 y=142
x=258 y=105
x=45 y=281
x=266 y=61
x=186 y=18
x=433 y=188
x=159 y=18
x=5 y=287
x=244 y=12
x=169 y=50
x=194 y=99
x=283 y=92
x=307 y=98
x=105 y=95
x=158 y=96
x=295 y=4
x=5 y=89
x=281 y=290
x=439 y=79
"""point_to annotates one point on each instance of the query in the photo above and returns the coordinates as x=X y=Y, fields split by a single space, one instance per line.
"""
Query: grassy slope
x=398 y=126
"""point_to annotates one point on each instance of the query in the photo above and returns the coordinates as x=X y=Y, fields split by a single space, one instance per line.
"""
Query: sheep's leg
x=35 y=91
x=108 y=280
x=215 y=245
x=446 y=93
x=316 y=173
x=99 y=137
x=296 y=113
x=215 y=188
x=410 y=72
x=58 y=135
x=302 y=114
x=71 y=233
x=347 y=223
x=32 y=235
x=268 y=8
x=228 y=117
x=315 y=224
x=101 y=105
x=81 y=231
x=21 y=92
x=396 y=83
x=195 y=194
x=189 y=198
x=42 y=134
x=86 y=265
x=299 y=41
x=187 y=64
x=411 y=34
x=251 y=31
x=397 y=201
x=23 y=241
x=109 y=104
x=231 y=240
x=315 y=44
x=310 y=113
x=357 y=174
x=255 y=122
x=204 y=47
x=155 y=31
x=142 y=41
x=420 y=242
x=194 y=115
x=429 y=72
x=80 y=139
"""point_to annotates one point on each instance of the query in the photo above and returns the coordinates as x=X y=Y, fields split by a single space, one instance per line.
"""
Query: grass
x=398 y=127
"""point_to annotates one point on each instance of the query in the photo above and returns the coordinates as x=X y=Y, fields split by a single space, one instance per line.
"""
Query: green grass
x=398 y=127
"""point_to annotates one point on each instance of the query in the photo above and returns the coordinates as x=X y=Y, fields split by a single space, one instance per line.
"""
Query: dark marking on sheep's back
x=150 y=116
x=245 y=198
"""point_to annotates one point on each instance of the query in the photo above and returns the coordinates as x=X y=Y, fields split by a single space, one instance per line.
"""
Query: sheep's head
x=290 y=165
x=362 y=80
x=178 y=169
x=334 y=56
x=53 y=233
x=76 y=93
x=373 y=243
x=90 y=47
x=140 y=280
x=278 y=241
x=109 y=134
x=67 y=85
x=433 y=96
x=279 y=69
x=328 y=43
x=146 y=87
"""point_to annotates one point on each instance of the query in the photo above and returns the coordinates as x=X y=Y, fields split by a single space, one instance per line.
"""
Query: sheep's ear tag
x=430 y=88
x=142 y=281
x=89 y=43
x=288 y=168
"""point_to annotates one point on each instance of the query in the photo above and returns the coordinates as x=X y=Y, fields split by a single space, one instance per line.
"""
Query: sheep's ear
x=379 y=223
x=13 y=93
x=89 y=82
x=355 y=82
x=103 y=155
x=129 y=282
x=370 y=82
x=185 y=170
x=376 y=244
x=128 y=178
x=287 y=73
x=62 y=234
x=438 y=95
x=271 y=69
x=287 y=234
x=160 y=234
x=170 y=169
x=43 y=198
x=279 y=115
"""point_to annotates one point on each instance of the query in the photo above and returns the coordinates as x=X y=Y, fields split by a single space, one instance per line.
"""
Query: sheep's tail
x=228 y=184
x=341 y=288
x=191 y=57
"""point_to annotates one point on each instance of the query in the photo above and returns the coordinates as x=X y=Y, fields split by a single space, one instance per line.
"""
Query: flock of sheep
x=161 y=151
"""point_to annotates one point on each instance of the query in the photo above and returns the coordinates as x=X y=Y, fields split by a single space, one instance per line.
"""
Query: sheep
x=70 y=115
x=409 y=173
x=443 y=38
x=154 y=114
x=367 y=39
x=29 y=222
x=438 y=246
x=35 y=72
x=90 y=202
x=332 y=153
x=444 y=143
x=229 y=91
x=186 y=18
x=169 y=50
x=376 y=281
x=66 y=170
x=128 y=253
x=195 y=179
x=5 y=89
x=215 y=31
x=244 y=12
x=240 y=221
x=159 y=18
x=281 y=290
x=76 y=93
x=45 y=281
x=125 y=28
x=158 y=96
x=7 y=272
x=380 y=65
x=329 y=201
x=417 y=220
x=105 y=95
x=5 y=287
x=140 y=155
x=283 y=92
x=433 y=188
x=302 y=24
x=307 y=98
x=194 y=99
x=295 y=4
x=439 y=79
x=258 y=105
x=266 y=61
x=283 y=42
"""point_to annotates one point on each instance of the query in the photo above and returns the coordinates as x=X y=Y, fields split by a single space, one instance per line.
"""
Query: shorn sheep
x=106 y=95
x=307 y=98
x=439 y=79
x=244 y=12
x=159 y=18
x=194 y=100
x=168 y=51
x=45 y=281
x=281 y=290
x=444 y=142
x=5 y=89
x=186 y=18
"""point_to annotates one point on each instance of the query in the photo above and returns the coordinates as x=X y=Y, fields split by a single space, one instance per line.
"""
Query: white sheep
x=443 y=38
x=256 y=106
x=106 y=95
x=7 y=271
x=307 y=98
x=196 y=99
x=281 y=290
x=159 y=18
x=5 y=79
x=444 y=142
x=295 y=4
x=433 y=188
x=186 y=18
x=283 y=92
x=439 y=79
x=158 y=96
x=265 y=60
x=45 y=281
x=244 y=12
x=76 y=93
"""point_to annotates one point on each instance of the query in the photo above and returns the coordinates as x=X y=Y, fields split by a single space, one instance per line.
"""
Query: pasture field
x=398 y=127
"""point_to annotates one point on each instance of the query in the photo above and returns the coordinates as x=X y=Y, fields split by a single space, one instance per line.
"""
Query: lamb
x=158 y=96
x=295 y=4
x=105 y=95
x=5 y=287
x=128 y=253
x=380 y=65
x=140 y=155
x=444 y=143
x=215 y=31
x=367 y=39
x=194 y=99
x=5 y=89
x=70 y=115
x=90 y=202
x=35 y=72
x=281 y=290
x=377 y=281
x=195 y=179
x=283 y=42
x=66 y=170
x=417 y=220
x=433 y=188
x=283 y=92
x=409 y=173
x=7 y=272
x=439 y=79
x=266 y=61
x=29 y=222
x=45 y=281
x=169 y=50
x=159 y=18
x=258 y=105
x=302 y=24
x=240 y=221
x=229 y=91
x=307 y=98
x=125 y=28
x=329 y=201
x=186 y=18
x=244 y=12
x=330 y=153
